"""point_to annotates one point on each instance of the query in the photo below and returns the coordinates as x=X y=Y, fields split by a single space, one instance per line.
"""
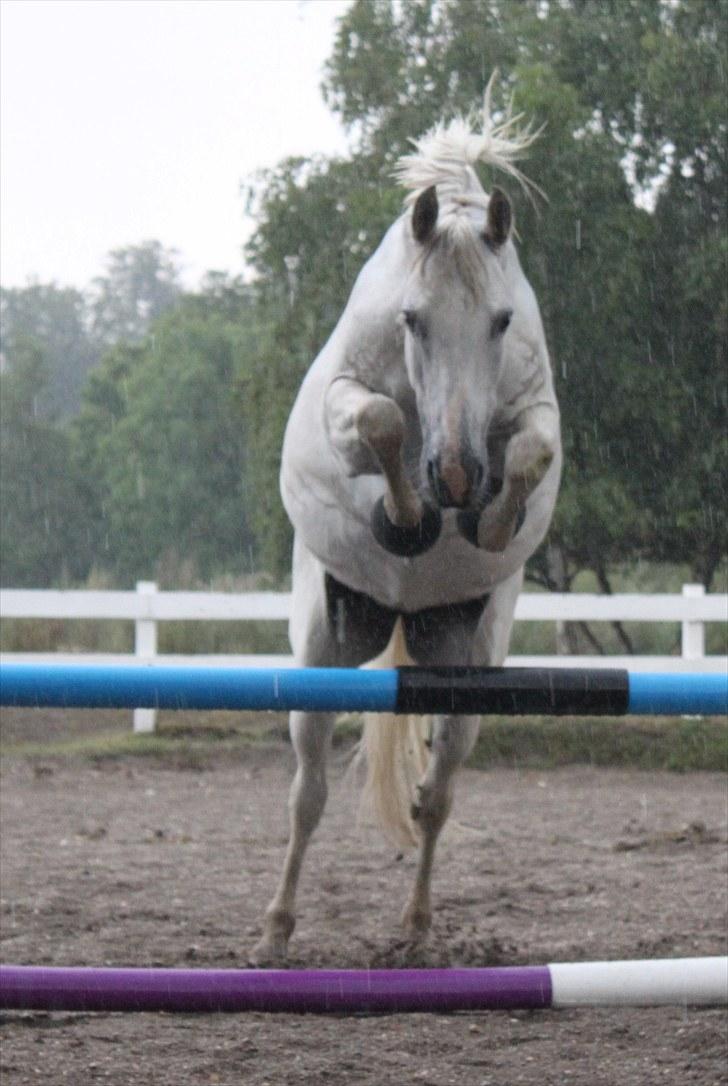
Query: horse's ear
x=424 y=215
x=500 y=219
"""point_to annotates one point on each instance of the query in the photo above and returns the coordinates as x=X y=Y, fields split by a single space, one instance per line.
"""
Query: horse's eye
x=500 y=323
x=415 y=324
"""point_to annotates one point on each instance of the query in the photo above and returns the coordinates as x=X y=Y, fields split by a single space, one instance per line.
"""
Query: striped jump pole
x=502 y=691
x=679 y=981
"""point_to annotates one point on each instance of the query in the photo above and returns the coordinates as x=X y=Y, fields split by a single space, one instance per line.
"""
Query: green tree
x=42 y=525
x=141 y=282
x=585 y=253
x=634 y=303
x=666 y=111
x=161 y=436
x=683 y=483
x=105 y=403
x=53 y=318
x=391 y=69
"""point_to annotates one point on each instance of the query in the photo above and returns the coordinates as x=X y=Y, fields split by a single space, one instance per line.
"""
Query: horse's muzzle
x=455 y=484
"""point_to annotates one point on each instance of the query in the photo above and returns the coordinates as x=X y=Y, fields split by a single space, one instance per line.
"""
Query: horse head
x=456 y=309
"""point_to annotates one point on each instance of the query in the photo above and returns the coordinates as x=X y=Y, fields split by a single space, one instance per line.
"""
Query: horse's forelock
x=461 y=244
x=446 y=154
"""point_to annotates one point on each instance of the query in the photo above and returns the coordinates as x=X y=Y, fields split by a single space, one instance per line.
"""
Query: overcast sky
x=124 y=120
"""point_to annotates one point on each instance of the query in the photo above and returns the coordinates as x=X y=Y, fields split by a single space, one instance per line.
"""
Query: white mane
x=445 y=155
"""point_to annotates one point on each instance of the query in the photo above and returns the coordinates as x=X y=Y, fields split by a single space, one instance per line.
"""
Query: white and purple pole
x=678 y=981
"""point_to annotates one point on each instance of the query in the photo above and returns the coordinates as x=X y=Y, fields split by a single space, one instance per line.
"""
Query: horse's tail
x=396 y=755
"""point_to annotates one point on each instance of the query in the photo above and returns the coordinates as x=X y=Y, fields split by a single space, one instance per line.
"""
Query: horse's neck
x=526 y=379
x=372 y=339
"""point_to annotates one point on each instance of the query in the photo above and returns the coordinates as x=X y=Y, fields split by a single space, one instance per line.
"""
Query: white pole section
x=670 y=981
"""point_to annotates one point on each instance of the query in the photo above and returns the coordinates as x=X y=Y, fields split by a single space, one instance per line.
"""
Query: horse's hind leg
x=452 y=740
x=330 y=626
x=468 y=636
x=310 y=735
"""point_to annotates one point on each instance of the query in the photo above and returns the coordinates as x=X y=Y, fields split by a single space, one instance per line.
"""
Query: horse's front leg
x=528 y=456
x=453 y=739
x=367 y=429
x=310 y=735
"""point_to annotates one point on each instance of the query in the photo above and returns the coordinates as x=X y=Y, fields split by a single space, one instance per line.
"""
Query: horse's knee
x=453 y=739
x=431 y=806
x=380 y=424
x=529 y=456
x=311 y=736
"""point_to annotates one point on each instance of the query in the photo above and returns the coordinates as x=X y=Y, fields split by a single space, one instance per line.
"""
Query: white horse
x=420 y=469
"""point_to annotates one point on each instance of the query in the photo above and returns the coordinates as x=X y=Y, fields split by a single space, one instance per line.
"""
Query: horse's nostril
x=455 y=483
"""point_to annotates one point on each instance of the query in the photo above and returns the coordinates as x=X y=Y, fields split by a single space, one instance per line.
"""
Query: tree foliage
x=160 y=441
x=141 y=283
x=174 y=454
x=43 y=530
x=54 y=320
x=72 y=328
x=631 y=96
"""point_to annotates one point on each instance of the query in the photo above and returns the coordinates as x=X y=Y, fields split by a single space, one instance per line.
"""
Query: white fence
x=147 y=607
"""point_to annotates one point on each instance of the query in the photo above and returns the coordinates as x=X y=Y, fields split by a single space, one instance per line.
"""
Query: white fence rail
x=146 y=607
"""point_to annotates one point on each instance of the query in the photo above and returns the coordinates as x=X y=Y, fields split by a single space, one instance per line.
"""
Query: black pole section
x=513 y=691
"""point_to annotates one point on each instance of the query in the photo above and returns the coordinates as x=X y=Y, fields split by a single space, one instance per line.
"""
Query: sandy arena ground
x=148 y=862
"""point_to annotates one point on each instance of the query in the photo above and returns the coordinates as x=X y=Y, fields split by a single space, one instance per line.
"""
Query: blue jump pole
x=496 y=691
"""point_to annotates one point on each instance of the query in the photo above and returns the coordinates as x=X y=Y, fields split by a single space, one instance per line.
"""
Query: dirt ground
x=150 y=862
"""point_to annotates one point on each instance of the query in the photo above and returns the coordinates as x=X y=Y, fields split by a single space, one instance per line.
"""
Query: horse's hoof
x=269 y=954
x=416 y=922
x=402 y=541
x=272 y=949
x=469 y=519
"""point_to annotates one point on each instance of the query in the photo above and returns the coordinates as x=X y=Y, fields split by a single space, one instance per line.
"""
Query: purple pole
x=336 y=991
